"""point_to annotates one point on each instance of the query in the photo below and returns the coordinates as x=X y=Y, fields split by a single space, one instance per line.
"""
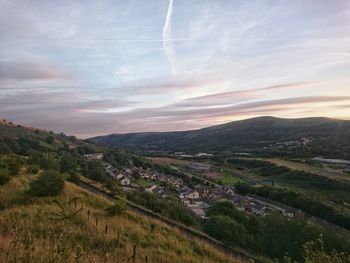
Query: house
x=184 y=189
x=94 y=156
x=288 y=213
x=258 y=209
x=198 y=212
x=198 y=208
x=204 y=191
x=162 y=178
x=151 y=189
x=199 y=167
x=203 y=155
x=178 y=182
x=161 y=191
x=127 y=171
x=191 y=194
x=229 y=191
x=120 y=176
x=125 y=181
x=111 y=171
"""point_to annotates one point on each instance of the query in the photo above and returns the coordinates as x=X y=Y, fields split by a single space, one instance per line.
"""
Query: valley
x=218 y=207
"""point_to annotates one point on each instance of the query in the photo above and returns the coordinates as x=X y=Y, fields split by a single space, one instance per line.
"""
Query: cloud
x=220 y=99
x=168 y=118
x=14 y=70
x=149 y=87
x=204 y=112
x=167 y=38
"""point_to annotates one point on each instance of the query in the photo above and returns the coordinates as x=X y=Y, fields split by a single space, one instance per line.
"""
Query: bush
x=4 y=178
x=118 y=208
x=74 y=178
x=68 y=163
x=11 y=164
x=50 y=183
x=33 y=169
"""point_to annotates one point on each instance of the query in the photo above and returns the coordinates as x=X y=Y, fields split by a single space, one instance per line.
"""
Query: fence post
x=106 y=229
x=146 y=259
x=96 y=221
x=89 y=215
x=134 y=255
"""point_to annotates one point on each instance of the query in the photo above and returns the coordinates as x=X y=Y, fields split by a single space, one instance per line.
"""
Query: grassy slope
x=28 y=234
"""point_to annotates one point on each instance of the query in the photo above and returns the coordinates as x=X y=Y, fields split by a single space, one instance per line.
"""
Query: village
x=196 y=198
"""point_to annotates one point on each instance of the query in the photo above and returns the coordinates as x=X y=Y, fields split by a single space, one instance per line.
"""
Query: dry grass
x=31 y=232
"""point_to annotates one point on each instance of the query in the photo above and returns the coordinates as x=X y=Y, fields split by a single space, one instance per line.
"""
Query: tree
x=280 y=237
x=74 y=178
x=50 y=139
x=49 y=163
x=67 y=163
x=226 y=229
x=13 y=145
x=50 y=183
x=4 y=148
x=95 y=171
x=314 y=252
x=226 y=209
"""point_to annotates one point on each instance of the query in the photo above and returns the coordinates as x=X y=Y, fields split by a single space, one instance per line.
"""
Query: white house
x=120 y=176
x=125 y=181
x=151 y=189
x=259 y=209
x=94 y=156
x=191 y=194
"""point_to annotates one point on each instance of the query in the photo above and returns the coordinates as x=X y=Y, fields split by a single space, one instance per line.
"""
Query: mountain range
x=267 y=135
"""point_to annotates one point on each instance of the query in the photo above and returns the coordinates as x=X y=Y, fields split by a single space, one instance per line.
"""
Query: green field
x=144 y=183
x=229 y=179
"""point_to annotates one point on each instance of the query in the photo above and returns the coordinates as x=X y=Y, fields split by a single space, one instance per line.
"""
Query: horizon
x=90 y=69
x=101 y=135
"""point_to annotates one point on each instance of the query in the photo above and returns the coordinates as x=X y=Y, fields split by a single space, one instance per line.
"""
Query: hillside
x=58 y=229
x=51 y=210
x=268 y=135
x=49 y=224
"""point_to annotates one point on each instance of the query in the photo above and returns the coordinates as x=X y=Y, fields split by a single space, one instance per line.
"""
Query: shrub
x=11 y=164
x=50 y=183
x=74 y=178
x=4 y=178
x=118 y=208
x=33 y=169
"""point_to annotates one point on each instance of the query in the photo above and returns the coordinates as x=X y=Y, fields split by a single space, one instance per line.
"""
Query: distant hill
x=267 y=135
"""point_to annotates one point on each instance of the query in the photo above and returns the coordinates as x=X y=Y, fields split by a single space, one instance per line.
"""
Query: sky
x=90 y=68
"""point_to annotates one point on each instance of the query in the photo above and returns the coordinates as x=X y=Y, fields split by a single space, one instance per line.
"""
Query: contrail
x=167 y=40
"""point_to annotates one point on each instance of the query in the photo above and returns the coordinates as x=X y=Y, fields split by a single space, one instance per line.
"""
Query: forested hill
x=306 y=136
